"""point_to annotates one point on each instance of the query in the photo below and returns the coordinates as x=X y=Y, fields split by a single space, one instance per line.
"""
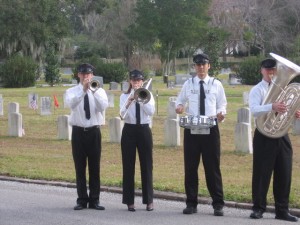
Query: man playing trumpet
x=86 y=117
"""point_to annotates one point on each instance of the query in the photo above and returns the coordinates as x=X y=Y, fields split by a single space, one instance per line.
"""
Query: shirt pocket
x=211 y=99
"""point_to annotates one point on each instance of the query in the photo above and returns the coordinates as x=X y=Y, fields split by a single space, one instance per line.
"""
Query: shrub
x=19 y=71
x=249 y=71
x=116 y=72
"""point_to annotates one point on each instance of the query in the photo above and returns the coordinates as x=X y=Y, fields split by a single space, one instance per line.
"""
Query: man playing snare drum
x=205 y=98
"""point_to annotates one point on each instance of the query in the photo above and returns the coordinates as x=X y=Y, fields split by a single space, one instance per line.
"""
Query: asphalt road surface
x=33 y=204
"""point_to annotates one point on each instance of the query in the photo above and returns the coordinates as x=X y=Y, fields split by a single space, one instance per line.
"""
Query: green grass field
x=40 y=155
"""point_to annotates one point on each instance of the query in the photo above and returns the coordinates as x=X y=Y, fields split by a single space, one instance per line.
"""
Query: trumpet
x=140 y=95
x=94 y=85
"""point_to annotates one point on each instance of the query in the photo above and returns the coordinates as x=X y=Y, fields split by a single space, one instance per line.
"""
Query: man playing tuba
x=270 y=155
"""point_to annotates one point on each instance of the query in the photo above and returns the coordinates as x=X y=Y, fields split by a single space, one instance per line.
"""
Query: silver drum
x=197 y=122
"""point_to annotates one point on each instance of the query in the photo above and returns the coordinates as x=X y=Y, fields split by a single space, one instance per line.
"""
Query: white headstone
x=172 y=132
x=115 y=129
x=1 y=105
x=244 y=115
x=296 y=127
x=171 y=111
x=110 y=97
x=33 y=101
x=13 y=107
x=15 y=128
x=246 y=98
x=63 y=128
x=243 y=138
x=45 y=105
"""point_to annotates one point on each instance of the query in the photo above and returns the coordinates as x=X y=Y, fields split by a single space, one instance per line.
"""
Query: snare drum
x=196 y=122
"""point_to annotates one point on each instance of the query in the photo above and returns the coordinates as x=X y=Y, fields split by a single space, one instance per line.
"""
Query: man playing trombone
x=137 y=135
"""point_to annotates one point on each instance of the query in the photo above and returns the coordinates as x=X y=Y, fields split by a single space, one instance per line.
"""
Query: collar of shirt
x=206 y=79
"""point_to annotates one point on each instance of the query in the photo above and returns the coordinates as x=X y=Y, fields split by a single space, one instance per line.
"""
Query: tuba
x=140 y=95
x=273 y=124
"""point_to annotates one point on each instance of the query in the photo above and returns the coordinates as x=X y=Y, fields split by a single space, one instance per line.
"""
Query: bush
x=249 y=71
x=19 y=71
x=116 y=72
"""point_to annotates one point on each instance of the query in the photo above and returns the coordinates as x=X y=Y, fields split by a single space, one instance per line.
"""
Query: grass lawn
x=40 y=155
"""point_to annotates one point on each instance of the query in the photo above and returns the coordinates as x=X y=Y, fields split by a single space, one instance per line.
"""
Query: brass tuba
x=272 y=124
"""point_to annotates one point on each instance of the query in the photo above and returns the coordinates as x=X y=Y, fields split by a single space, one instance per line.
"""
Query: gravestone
x=243 y=131
x=113 y=86
x=296 y=127
x=172 y=132
x=124 y=86
x=65 y=101
x=246 y=98
x=233 y=79
x=181 y=78
x=64 y=130
x=13 y=107
x=33 y=101
x=111 y=98
x=1 y=105
x=15 y=128
x=171 y=126
x=45 y=106
x=115 y=129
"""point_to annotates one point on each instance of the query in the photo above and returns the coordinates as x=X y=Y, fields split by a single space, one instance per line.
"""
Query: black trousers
x=137 y=137
x=209 y=147
x=86 y=148
x=271 y=156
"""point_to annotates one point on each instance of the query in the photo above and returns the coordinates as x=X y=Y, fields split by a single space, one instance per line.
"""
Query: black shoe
x=190 y=210
x=256 y=214
x=219 y=211
x=131 y=208
x=286 y=216
x=80 y=206
x=149 y=207
x=96 y=206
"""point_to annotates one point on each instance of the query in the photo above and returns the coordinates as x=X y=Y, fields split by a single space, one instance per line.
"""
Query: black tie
x=202 y=97
x=137 y=113
x=86 y=107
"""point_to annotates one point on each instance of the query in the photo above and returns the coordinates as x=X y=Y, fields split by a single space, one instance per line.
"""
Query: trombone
x=140 y=95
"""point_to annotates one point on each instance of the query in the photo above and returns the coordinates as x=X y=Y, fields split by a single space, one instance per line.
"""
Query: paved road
x=33 y=204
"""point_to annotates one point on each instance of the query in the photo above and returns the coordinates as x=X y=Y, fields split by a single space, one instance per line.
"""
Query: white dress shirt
x=147 y=110
x=75 y=100
x=215 y=99
x=256 y=97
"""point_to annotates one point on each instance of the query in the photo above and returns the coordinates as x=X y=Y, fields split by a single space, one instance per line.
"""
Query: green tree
x=18 y=71
x=52 y=75
x=26 y=26
x=166 y=26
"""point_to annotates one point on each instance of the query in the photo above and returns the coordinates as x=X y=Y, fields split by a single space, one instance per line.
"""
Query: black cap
x=136 y=75
x=201 y=58
x=268 y=63
x=85 y=68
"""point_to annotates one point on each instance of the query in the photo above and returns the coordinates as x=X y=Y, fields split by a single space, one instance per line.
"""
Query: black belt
x=137 y=125
x=86 y=128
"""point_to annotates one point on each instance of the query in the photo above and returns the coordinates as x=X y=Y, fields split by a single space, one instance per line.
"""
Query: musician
x=85 y=119
x=208 y=144
x=137 y=136
x=270 y=155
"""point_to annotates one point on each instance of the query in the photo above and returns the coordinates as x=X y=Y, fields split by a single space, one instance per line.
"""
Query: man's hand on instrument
x=297 y=114
x=220 y=117
x=179 y=109
x=279 y=107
